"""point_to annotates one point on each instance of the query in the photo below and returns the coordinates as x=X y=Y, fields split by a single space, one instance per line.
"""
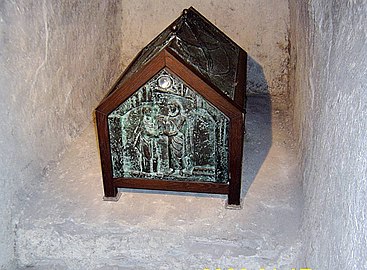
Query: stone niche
x=175 y=118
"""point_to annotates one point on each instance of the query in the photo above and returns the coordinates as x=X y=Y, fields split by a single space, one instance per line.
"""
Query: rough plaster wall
x=329 y=78
x=58 y=58
x=259 y=27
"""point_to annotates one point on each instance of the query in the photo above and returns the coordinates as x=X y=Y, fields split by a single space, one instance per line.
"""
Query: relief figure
x=147 y=140
x=174 y=129
x=168 y=131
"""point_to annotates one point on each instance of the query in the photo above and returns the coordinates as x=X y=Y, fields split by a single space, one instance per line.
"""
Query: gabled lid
x=201 y=46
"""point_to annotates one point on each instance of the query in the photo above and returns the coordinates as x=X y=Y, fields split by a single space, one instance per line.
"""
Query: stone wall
x=58 y=59
x=329 y=83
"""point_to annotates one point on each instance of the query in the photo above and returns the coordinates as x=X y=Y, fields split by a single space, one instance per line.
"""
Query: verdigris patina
x=166 y=130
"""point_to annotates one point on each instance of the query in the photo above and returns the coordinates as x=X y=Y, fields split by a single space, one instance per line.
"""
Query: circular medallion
x=164 y=82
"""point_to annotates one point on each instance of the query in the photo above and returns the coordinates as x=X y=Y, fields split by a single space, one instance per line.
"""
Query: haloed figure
x=174 y=125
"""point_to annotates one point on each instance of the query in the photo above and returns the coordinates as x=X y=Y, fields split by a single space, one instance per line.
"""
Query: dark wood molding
x=157 y=184
x=132 y=84
x=236 y=138
x=104 y=147
x=196 y=81
x=240 y=91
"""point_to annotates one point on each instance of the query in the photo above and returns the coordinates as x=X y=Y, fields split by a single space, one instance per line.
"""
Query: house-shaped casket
x=175 y=118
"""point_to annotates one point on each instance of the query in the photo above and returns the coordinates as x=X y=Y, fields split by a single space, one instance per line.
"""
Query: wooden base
x=112 y=199
x=234 y=206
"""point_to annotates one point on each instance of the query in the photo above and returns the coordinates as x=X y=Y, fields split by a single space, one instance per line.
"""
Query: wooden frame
x=171 y=60
x=167 y=59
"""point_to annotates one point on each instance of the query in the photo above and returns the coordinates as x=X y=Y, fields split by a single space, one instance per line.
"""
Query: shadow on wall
x=258 y=137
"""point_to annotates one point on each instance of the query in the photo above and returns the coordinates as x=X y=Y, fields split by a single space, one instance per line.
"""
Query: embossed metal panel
x=201 y=45
x=166 y=130
x=206 y=49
